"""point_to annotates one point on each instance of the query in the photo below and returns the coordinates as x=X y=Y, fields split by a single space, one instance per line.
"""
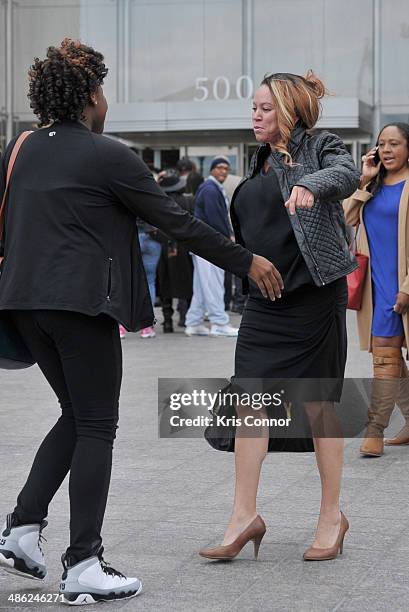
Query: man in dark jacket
x=211 y=206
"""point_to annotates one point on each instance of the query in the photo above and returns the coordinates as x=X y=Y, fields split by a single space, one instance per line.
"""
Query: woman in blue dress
x=380 y=206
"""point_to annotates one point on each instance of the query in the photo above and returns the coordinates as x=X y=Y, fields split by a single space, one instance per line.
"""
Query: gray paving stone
x=171 y=497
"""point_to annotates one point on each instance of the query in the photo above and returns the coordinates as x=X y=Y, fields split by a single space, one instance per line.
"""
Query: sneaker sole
x=223 y=335
x=201 y=335
x=83 y=599
x=15 y=566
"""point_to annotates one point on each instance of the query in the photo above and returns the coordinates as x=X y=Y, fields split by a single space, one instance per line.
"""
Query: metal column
x=9 y=70
x=123 y=51
x=377 y=70
x=247 y=38
x=157 y=158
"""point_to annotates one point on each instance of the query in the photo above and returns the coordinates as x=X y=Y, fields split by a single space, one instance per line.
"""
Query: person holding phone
x=380 y=207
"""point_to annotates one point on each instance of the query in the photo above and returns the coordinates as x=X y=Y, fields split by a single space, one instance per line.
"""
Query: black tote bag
x=14 y=354
x=222 y=438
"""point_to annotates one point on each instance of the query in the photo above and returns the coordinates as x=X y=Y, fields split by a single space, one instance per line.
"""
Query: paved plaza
x=170 y=497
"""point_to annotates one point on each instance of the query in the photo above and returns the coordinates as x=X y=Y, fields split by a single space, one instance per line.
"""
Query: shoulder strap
x=354 y=244
x=13 y=156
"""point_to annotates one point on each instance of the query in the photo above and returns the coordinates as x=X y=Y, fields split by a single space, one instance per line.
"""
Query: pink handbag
x=356 y=279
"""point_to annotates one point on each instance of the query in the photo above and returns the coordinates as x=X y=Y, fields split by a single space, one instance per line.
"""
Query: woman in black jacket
x=71 y=271
x=289 y=209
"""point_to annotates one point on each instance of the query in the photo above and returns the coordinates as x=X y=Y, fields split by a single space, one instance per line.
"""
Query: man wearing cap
x=211 y=206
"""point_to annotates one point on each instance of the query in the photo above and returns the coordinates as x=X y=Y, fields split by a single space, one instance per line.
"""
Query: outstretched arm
x=133 y=186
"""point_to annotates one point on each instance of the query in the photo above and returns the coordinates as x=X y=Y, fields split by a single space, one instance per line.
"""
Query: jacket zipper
x=109 y=280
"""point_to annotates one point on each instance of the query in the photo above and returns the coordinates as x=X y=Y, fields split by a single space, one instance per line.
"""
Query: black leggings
x=81 y=357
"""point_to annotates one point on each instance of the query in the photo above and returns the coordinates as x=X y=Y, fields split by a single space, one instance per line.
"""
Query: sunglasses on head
x=282 y=76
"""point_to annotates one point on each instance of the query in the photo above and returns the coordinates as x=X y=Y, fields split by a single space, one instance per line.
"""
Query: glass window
x=288 y=36
x=174 y=43
x=2 y=56
x=99 y=28
x=392 y=118
x=395 y=52
x=348 y=48
x=2 y=76
x=333 y=38
x=36 y=26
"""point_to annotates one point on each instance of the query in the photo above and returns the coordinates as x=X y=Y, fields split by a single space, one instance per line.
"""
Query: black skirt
x=302 y=335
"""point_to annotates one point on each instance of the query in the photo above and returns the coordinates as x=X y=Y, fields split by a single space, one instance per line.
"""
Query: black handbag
x=14 y=354
x=222 y=437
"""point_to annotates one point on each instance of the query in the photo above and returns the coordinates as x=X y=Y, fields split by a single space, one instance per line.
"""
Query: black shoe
x=167 y=327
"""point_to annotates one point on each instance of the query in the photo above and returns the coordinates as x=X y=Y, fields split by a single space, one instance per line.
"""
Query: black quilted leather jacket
x=323 y=165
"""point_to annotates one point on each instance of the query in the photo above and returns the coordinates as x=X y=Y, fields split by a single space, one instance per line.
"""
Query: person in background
x=211 y=206
x=150 y=250
x=380 y=207
x=188 y=171
x=193 y=182
x=184 y=167
x=175 y=269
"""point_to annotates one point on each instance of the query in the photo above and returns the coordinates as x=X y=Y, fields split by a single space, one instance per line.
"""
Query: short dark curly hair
x=60 y=86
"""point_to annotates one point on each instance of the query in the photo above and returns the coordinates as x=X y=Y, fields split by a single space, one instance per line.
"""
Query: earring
x=95 y=103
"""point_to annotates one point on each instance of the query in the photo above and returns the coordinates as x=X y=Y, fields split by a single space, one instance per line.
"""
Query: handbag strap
x=355 y=240
x=13 y=156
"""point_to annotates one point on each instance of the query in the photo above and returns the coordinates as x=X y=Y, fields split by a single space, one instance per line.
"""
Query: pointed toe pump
x=326 y=554
x=254 y=531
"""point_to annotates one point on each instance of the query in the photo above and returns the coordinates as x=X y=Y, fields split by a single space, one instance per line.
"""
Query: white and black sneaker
x=20 y=549
x=93 y=580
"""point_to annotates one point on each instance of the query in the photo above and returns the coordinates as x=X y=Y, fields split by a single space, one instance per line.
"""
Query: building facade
x=182 y=72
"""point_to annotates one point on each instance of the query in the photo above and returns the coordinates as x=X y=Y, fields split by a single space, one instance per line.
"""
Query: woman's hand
x=369 y=168
x=402 y=303
x=267 y=277
x=300 y=198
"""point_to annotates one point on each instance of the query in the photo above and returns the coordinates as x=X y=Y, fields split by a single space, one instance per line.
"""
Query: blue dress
x=381 y=224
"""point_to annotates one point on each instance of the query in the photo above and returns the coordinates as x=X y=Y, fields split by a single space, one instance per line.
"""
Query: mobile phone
x=376 y=158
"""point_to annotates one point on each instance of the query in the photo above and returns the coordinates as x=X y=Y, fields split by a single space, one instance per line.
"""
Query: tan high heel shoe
x=326 y=554
x=255 y=532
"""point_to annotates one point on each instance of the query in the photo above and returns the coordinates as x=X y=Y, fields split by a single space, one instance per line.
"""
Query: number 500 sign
x=222 y=88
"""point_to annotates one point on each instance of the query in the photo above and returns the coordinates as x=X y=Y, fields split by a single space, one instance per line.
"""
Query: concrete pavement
x=170 y=497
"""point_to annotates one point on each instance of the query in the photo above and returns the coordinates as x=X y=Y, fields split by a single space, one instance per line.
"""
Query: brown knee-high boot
x=402 y=401
x=387 y=366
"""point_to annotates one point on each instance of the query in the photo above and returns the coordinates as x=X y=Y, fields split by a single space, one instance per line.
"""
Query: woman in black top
x=71 y=271
x=288 y=210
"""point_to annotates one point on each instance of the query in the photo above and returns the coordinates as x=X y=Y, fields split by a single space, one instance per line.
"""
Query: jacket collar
x=298 y=134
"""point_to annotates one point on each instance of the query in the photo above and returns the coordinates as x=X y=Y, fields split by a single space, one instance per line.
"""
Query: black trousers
x=81 y=358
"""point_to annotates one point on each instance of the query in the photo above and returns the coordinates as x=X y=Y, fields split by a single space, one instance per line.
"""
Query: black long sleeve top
x=71 y=240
